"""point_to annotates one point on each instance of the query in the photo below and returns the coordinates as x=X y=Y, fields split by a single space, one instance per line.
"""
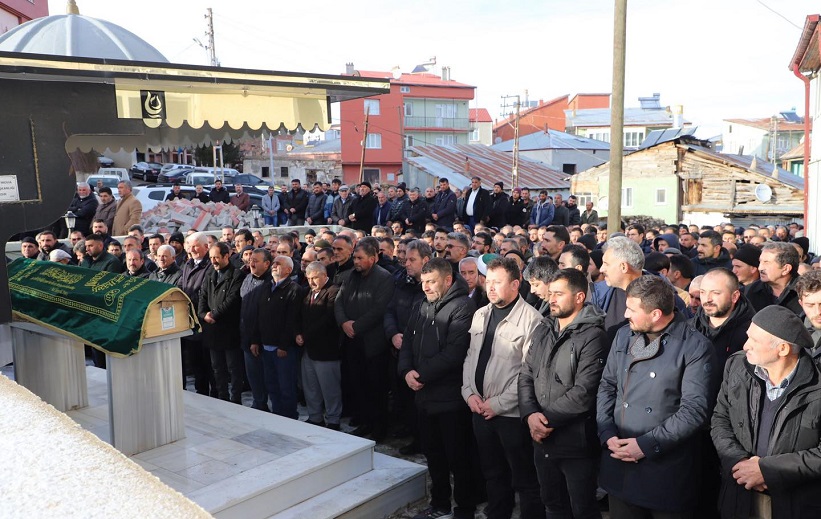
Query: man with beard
x=360 y=308
x=407 y=295
x=96 y=258
x=443 y=210
x=687 y=244
x=655 y=397
x=296 y=201
x=456 y=250
x=809 y=293
x=543 y=212
x=167 y=269
x=315 y=210
x=416 y=211
x=219 y=193
x=135 y=264
x=477 y=204
x=561 y=216
x=469 y=270
x=711 y=254
x=106 y=209
x=83 y=205
x=497 y=216
x=219 y=311
x=500 y=337
x=361 y=215
x=574 y=215
x=557 y=388
x=778 y=274
x=47 y=241
x=440 y=242
x=398 y=204
x=343 y=250
x=433 y=351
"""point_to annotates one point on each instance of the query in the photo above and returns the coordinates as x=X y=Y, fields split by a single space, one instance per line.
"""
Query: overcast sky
x=718 y=58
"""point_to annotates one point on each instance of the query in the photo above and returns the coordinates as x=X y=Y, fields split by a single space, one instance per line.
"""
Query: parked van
x=122 y=173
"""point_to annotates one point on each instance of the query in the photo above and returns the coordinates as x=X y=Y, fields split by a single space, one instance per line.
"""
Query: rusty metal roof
x=806 y=55
x=489 y=165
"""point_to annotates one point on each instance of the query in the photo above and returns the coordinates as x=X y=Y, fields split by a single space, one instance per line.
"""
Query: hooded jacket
x=704 y=265
x=792 y=466
x=560 y=377
x=435 y=344
x=732 y=334
x=670 y=238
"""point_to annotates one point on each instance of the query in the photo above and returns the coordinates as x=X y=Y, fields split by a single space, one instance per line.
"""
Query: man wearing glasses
x=456 y=250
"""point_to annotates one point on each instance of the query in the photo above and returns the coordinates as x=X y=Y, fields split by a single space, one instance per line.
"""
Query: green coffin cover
x=101 y=309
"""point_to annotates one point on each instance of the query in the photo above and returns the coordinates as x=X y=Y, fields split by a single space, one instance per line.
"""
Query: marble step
x=392 y=484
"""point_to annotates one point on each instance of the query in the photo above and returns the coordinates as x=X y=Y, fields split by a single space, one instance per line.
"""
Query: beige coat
x=129 y=212
x=510 y=345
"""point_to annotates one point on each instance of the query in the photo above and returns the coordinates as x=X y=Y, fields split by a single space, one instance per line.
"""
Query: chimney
x=349 y=70
x=678 y=116
x=445 y=73
x=775 y=170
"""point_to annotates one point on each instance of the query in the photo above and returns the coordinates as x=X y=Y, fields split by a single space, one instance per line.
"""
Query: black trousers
x=200 y=358
x=568 y=485
x=369 y=379
x=506 y=456
x=228 y=366
x=447 y=439
x=623 y=510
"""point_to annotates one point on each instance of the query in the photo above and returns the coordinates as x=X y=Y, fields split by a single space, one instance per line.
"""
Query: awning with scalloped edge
x=183 y=105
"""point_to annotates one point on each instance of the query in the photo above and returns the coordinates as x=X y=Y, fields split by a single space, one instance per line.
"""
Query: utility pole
x=364 y=145
x=515 y=172
x=212 y=53
x=775 y=140
x=617 y=117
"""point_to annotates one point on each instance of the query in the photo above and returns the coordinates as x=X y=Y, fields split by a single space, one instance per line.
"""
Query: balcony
x=444 y=123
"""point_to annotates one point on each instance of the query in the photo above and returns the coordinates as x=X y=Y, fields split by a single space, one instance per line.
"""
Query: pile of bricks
x=183 y=215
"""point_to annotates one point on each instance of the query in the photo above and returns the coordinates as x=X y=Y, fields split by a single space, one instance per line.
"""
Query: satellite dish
x=289 y=147
x=763 y=193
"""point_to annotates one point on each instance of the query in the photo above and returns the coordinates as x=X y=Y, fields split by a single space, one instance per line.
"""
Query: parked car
x=121 y=173
x=148 y=171
x=111 y=181
x=196 y=177
x=151 y=195
x=175 y=175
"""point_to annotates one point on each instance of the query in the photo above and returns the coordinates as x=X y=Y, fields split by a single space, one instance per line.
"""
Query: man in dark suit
x=477 y=204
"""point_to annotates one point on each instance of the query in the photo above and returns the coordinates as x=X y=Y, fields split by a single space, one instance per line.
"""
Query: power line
x=780 y=15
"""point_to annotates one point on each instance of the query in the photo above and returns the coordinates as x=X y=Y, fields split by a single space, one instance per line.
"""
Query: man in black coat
x=434 y=346
x=561 y=216
x=497 y=216
x=477 y=204
x=362 y=208
x=518 y=212
x=574 y=216
x=259 y=266
x=406 y=295
x=315 y=210
x=557 y=397
x=219 y=313
x=192 y=276
x=219 y=193
x=415 y=211
x=360 y=309
x=318 y=335
x=272 y=316
x=778 y=271
x=655 y=397
x=443 y=210
x=294 y=203
x=83 y=205
x=766 y=423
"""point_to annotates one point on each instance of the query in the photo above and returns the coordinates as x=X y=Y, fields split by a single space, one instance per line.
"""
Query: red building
x=18 y=12
x=421 y=108
x=548 y=115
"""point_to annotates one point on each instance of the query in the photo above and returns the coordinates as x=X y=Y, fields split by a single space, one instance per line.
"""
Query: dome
x=78 y=36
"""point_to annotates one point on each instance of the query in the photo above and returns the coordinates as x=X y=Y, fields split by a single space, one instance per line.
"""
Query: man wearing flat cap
x=767 y=423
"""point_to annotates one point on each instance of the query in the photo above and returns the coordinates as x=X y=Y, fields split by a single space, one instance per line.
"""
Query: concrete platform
x=239 y=462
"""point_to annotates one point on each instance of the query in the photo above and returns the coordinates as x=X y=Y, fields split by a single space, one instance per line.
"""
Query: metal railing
x=456 y=123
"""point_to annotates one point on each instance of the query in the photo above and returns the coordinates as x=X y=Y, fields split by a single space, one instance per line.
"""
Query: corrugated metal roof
x=487 y=164
x=766 y=123
x=632 y=117
x=552 y=140
x=761 y=166
x=326 y=146
x=795 y=153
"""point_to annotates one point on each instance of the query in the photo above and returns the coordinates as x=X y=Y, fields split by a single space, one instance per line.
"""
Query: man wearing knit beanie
x=745 y=264
x=765 y=426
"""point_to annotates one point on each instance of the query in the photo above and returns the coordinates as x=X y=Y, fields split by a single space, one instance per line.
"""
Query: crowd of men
x=527 y=351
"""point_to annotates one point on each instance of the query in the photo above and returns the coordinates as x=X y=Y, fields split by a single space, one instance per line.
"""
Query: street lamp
x=70 y=219
x=255 y=214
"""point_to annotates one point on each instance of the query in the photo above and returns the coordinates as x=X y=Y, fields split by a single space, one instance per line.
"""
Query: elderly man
x=622 y=262
x=469 y=270
x=272 y=318
x=381 y=212
x=456 y=250
x=219 y=311
x=765 y=424
x=362 y=209
x=167 y=269
x=129 y=210
x=778 y=271
x=135 y=264
x=500 y=337
x=341 y=207
x=83 y=205
x=28 y=248
x=360 y=308
x=270 y=207
x=318 y=335
x=655 y=396
x=192 y=276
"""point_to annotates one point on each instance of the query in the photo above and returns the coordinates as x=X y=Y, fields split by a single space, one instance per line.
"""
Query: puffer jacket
x=732 y=334
x=407 y=294
x=560 y=377
x=704 y=265
x=435 y=344
x=792 y=466
x=664 y=401
x=511 y=343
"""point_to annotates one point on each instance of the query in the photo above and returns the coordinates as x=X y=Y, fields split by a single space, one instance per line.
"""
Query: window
x=627 y=197
x=408 y=109
x=445 y=140
x=374 y=141
x=446 y=110
x=633 y=139
x=569 y=169
x=372 y=106
x=281 y=145
x=408 y=141
x=599 y=136
x=283 y=171
x=404 y=89
x=582 y=199
x=661 y=196
x=474 y=135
